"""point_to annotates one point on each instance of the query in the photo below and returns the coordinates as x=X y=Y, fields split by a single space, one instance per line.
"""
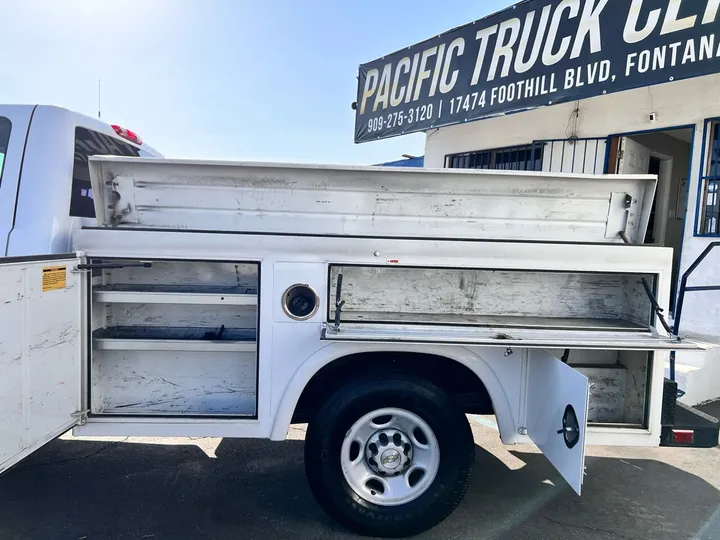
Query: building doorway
x=667 y=154
x=655 y=166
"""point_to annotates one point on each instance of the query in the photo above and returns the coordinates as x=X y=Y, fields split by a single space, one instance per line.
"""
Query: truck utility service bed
x=226 y=299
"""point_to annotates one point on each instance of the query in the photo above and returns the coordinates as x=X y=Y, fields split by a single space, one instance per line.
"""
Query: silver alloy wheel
x=390 y=457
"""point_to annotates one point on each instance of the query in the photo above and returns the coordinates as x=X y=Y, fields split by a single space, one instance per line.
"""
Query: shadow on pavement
x=257 y=490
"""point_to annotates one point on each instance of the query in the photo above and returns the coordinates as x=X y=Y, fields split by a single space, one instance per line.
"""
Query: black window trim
x=7 y=145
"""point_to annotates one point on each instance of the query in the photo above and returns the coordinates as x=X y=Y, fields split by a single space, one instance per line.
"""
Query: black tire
x=325 y=436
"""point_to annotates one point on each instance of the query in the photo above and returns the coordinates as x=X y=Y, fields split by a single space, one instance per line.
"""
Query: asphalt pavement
x=222 y=489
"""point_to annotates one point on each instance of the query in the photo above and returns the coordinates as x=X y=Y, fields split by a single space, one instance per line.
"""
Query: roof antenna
x=98 y=98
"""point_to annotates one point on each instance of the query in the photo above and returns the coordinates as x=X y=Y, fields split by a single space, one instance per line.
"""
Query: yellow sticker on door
x=54 y=278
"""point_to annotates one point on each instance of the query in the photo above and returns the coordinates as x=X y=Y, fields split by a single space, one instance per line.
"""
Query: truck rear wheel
x=389 y=457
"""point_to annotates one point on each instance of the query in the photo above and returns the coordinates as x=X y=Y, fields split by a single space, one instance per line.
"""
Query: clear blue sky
x=220 y=79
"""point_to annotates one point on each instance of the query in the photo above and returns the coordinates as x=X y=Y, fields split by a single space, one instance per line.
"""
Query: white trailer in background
x=379 y=305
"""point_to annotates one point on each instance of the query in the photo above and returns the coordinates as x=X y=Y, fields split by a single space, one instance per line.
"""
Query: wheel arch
x=464 y=357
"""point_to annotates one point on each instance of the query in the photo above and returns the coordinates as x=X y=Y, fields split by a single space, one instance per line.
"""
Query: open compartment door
x=41 y=352
x=509 y=336
x=557 y=408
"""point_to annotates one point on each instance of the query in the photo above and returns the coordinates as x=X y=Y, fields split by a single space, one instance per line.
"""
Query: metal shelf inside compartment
x=127 y=338
x=175 y=333
x=492 y=321
x=142 y=411
x=179 y=289
x=135 y=297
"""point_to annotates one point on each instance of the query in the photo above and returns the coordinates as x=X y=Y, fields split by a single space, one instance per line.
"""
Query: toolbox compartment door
x=42 y=346
x=557 y=409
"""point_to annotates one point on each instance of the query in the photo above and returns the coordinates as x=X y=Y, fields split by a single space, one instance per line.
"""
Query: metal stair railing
x=681 y=297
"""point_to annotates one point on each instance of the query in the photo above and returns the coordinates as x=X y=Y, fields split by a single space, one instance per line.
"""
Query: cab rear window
x=5 y=127
x=92 y=143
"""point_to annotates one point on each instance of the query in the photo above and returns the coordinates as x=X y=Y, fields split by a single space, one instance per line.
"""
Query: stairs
x=698 y=372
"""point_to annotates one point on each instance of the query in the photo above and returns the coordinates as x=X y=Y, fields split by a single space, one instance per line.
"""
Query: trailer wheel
x=389 y=456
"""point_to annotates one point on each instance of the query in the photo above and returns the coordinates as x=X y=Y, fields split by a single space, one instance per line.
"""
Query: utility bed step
x=685 y=426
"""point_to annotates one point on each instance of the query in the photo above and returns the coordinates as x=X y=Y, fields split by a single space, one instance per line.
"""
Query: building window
x=575 y=155
x=515 y=158
x=709 y=183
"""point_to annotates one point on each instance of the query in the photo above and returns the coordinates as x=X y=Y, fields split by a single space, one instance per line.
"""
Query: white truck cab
x=45 y=189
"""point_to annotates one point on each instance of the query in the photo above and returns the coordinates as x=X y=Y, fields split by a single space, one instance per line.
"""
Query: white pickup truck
x=378 y=305
x=45 y=189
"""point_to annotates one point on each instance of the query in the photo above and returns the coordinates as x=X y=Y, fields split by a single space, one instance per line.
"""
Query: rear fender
x=495 y=371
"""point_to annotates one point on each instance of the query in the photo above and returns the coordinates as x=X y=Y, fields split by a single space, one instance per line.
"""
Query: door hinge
x=81 y=416
x=522 y=431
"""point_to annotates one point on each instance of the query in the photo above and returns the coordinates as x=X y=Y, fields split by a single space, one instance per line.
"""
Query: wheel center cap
x=389 y=452
x=390 y=459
